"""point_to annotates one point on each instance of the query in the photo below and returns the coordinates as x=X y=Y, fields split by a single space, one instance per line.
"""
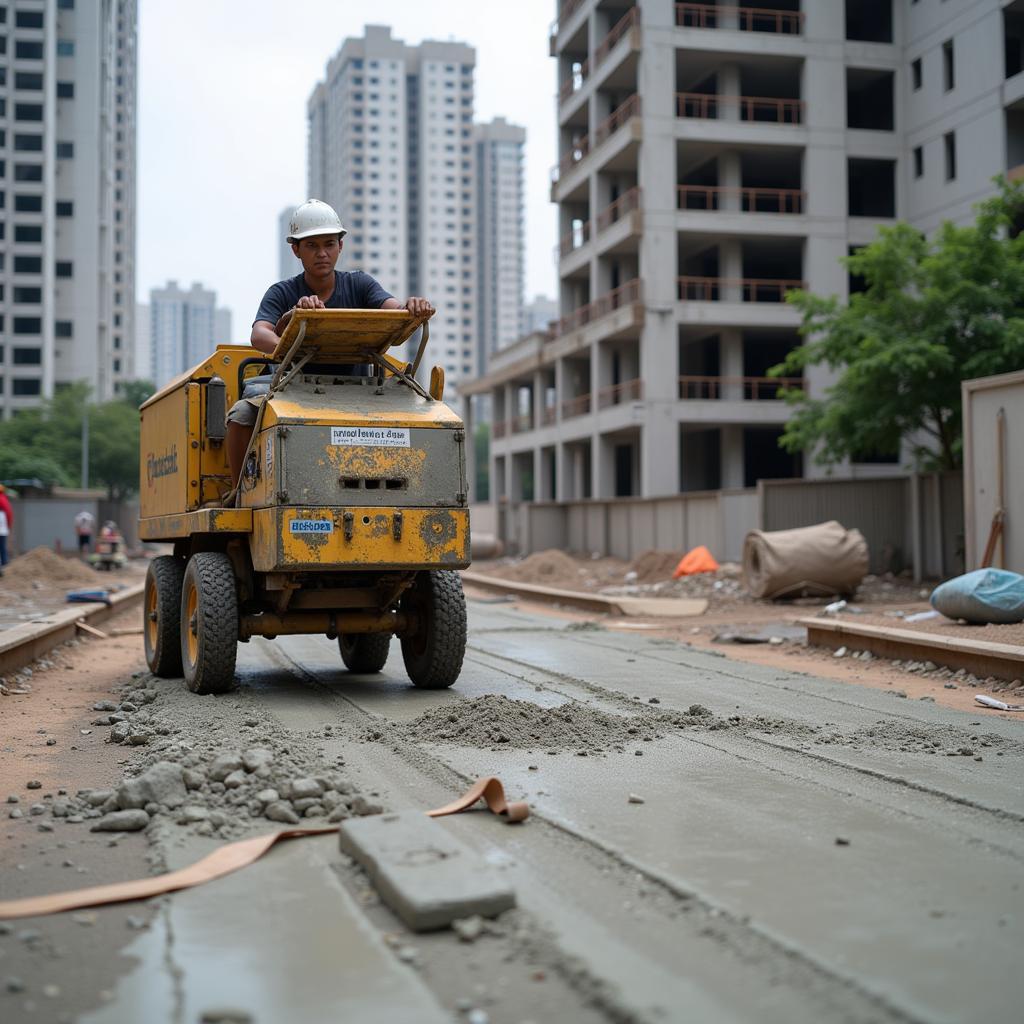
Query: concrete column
x=730 y=269
x=510 y=407
x=730 y=176
x=538 y=399
x=730 y=361
x=728 y=90
x=470 y=447
x=732 y=456
x=539 y=487
x=562 y=463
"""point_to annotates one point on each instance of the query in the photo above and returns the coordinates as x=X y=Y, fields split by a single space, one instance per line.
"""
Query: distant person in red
x=6 y=525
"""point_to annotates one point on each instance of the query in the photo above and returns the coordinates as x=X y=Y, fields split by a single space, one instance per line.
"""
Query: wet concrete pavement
x=810 y=862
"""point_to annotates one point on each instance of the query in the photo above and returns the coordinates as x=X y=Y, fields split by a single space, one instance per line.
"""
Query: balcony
x=626 y=110
x=565 y=12
x=578 y=406
x=579 y=78
x=616 y=394
x=745 y=200
x=748 y=289
x=625 y=295
x=742 y=19
x=548 y=415
x=499 y=429
x=611 y=214
x=751 y=389
x=521 y=424
x=760 y=109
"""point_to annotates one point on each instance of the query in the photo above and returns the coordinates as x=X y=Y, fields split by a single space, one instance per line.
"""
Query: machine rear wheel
x=162 y=610
x=433 y=653
x=364 y=652
x=209 y=623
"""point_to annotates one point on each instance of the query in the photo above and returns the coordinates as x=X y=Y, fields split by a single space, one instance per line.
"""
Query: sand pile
x=41 y=565
x=655 y=566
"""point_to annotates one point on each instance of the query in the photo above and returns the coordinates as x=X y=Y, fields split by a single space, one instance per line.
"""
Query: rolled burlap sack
x=814 y=561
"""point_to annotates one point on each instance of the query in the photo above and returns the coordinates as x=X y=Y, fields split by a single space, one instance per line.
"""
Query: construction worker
x=85 y=523
x=315 y=233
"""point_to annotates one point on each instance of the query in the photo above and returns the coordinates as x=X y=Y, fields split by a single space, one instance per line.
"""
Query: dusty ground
x=797 y=849
x=37 y=583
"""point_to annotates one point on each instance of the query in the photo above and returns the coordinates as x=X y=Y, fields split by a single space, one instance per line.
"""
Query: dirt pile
x=43 y=566
x=496 y=722
x=654 y=566
x=550 y=568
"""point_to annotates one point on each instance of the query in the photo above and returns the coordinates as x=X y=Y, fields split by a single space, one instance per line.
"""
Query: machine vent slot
x=372 y=485
x=350 y=483
x=396 y=484
x=355 y=483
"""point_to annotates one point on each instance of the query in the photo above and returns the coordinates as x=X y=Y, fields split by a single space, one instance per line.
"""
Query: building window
x=65 y=90
x=948 y=73
x=63 y=329
x=24 y=50
x=27 y=356
x=28 y=19
x=28 y=143
x=918 y=161
x=25 y=386
x=28 y=233
x=28 y=265
x=28 y=81
x=28 y=172
x=65 y=208
x=65 y=47
x=27 y=204
x=66 y=5
x=949 y=140
x=65 y=150
x=28 y=112
x=27 y=295
x=915 y=74
x=65 y=268
x=27 y=325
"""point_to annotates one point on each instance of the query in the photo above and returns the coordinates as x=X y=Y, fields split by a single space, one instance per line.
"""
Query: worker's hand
x=310 y=302
x=419 y=307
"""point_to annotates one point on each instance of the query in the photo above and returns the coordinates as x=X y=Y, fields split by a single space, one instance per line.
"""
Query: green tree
x=114 y=448
x=19 y=462
x=934 y=312
x=135 y=392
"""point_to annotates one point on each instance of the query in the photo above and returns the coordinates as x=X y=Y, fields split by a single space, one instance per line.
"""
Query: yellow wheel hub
x=191 y=624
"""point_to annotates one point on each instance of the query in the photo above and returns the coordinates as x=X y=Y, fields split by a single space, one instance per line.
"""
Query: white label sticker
x=371 y=437
x=312 y=526
x=270 y=455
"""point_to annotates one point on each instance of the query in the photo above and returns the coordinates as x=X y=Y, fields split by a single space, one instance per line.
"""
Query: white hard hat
x=314 y=217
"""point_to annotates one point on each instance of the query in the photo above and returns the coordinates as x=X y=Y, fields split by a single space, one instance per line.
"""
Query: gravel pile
x=201 y=784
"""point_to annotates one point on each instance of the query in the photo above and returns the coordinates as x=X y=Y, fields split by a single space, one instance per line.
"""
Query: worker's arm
x=263 y=337
x=415 y=305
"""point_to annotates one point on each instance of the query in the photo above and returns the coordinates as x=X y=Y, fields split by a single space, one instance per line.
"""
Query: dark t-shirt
x=352 y=290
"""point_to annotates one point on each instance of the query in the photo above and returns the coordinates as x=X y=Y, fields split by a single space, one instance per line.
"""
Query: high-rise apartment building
x=185 y=327
x=67 y=177
x=500 y=235
x=287 y=264
x=391 y=149
x=712 y=157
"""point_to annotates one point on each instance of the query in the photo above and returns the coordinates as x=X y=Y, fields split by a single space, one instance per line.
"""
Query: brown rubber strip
x=230 y=858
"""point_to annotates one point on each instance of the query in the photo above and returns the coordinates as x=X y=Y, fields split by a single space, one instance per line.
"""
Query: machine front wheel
x=364 y=652
x=433 y=652
x=162 y=610
x=209 y=623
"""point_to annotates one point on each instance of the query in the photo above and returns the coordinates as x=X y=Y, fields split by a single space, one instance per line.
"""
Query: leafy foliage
x=935 y=312
x=46 y=443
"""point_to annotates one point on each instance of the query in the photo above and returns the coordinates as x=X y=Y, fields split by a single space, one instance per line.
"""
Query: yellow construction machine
x=350 y=517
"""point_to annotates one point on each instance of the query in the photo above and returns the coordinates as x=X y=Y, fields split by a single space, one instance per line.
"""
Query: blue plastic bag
x=982 y=596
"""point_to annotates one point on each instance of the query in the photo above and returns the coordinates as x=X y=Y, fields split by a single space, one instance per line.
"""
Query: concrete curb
x=980 y=657
x=669 y=607
x=23 y=644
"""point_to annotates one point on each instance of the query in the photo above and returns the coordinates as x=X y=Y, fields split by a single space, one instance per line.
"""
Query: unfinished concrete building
x=713 y=157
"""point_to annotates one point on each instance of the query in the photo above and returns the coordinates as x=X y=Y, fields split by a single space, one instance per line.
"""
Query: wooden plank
x=91 y=630
x=979 y=657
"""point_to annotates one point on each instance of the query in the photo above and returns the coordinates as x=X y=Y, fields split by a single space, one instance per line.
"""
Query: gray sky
x=223 y=86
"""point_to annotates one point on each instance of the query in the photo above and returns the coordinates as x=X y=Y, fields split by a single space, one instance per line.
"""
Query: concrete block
x=422 y=872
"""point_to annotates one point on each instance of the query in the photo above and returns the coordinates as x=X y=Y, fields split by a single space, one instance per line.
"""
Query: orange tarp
x=697 y=560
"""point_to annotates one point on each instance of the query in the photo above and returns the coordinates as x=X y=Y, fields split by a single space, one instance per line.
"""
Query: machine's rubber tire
x=209 y=623
x=364 y=652
x=433 y=653
x=161 y=610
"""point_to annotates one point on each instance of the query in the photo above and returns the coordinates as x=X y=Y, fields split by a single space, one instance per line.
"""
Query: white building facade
x=500 y=236
x=711 y=158
x=391 y=149
x=67 y=173
x=185 y=327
